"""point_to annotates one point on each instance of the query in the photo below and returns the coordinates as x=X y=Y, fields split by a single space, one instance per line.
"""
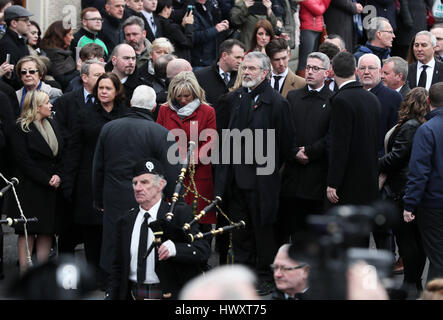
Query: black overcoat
x=353 y=167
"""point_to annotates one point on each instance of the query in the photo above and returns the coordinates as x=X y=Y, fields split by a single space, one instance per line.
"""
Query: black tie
x=154 y=26
x=423 y=77
x=276 y=82
x=225 y=78
x=142 y=247
x=89 y=101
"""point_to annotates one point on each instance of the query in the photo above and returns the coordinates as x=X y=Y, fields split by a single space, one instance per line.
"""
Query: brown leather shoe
x=398 y=266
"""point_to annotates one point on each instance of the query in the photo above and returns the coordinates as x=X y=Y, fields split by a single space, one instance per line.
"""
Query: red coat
x=311 y=14
x=203 y=118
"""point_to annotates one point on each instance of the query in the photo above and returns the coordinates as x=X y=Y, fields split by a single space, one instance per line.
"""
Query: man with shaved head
x=176 y=66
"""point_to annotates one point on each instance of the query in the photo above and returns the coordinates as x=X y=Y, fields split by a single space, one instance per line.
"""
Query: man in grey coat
x=121 y=144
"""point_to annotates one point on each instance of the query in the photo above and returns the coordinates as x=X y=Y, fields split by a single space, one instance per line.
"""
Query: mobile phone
x=8 y=58
x=190 y=9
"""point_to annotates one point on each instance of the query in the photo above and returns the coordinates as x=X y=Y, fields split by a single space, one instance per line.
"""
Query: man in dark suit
x=217 y=79
x=304 y=176
x=153 y=26
x=111 y=32
x=67 y=106
x=394 y=75
x=252 y=186
x=355 y=119
x=282 y=79
x=138 y=273
x=291 y=276
x=426 y=71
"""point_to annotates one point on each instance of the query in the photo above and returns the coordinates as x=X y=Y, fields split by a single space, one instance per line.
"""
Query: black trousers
x=255 y=245
x=430 y=224
x=309 y=42
x=291 y=221
x=410 y=247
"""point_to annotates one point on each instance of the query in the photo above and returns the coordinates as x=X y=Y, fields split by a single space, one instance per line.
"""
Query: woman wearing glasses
x=55 y=43
x=37 y=146
x=31 y=71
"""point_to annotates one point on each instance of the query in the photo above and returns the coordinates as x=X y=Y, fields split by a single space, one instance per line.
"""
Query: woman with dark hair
x=394 y=170
x=55 y=43
x=77 y=186
x=180 y=36
x=34 y=38
x=263 y=33
x=37 y=147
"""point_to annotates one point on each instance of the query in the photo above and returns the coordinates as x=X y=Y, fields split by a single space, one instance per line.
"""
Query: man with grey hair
x=135 y=36
x=304 y=176
x=380 y=37
x=395 y=74
x=121 y=144
x=252 y=186
x=227 y=282
x=427 y=70
x=138 y=273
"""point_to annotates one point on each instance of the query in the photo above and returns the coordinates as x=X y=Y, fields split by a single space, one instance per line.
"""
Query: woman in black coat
x=77 y=174
x=180 y=36
x=394 y=167
x=37 y=146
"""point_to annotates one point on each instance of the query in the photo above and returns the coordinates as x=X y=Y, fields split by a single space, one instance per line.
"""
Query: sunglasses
x=24 y=72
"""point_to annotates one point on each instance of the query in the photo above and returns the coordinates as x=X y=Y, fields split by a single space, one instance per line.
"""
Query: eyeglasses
x=252 y=68
x=24 y=72
x=285 y=269
x=388 y=31
x=95 y=19
x=371 y=68
x=314 y=69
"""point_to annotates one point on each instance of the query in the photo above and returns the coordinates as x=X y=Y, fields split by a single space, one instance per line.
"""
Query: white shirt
x=149 y=16
x=151 y=276
x=318 y=90
x=282 y=79
x=429 y=72
x=228 y=74
x=123 y=80
x=86 y=94
x=345 y=83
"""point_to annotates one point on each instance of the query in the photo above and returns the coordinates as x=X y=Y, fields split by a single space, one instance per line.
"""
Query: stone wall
x=47 y=11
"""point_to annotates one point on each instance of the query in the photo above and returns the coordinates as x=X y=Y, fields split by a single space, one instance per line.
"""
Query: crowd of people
x=331 y=111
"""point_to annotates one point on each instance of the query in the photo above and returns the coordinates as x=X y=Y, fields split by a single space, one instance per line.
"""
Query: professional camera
x=338 y=239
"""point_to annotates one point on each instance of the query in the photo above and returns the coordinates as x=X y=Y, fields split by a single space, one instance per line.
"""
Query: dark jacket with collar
x=269 y=111
x=63 y=67
x=395 y=163
x=206 y=37
x=174 y=272
x=382 y=53
x=35 y=164
x=310 y=114
x=425 y=176
x=353 y=168
x=181 y=38
x=436 y=77
x=78 y=158
x=17 y=48
x=111 y=32
x=390 y=101
x=121 y=144
x=405 y=90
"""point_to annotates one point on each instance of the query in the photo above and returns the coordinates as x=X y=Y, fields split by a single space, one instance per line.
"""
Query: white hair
x=144 y=97
x=377 y=59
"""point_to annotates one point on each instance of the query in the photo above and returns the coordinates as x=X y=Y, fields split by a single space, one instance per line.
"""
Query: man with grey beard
x=251 y=186
x=135 y=36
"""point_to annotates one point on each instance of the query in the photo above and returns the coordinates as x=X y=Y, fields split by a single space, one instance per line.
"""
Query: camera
x=278 y=31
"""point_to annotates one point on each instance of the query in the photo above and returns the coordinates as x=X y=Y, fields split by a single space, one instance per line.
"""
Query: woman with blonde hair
x=37 y=146
x=186 y=109
x=394 y=167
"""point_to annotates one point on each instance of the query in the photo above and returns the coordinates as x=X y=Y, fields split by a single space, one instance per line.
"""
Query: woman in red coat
x=186 y=109
x=311 y=27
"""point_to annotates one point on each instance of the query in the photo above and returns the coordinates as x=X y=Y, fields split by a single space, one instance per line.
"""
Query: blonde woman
x=37 y=146
x=187 y=110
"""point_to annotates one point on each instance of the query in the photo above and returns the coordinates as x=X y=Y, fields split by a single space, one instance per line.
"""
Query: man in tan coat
x=282 y=79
